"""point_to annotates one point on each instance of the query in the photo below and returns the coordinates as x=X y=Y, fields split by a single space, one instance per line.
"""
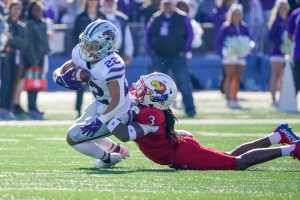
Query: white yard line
x=50 y=139
x=237 y=121
x=181 y=121
x=9 y=140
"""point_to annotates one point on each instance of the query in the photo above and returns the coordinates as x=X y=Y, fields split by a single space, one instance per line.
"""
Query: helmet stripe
x=89 y=27
x=95 y=28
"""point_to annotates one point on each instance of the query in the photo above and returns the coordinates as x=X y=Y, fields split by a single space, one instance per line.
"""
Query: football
x=81 y=74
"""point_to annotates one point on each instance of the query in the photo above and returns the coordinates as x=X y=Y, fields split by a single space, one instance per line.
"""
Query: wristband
x=112 y=124
x=103 y=119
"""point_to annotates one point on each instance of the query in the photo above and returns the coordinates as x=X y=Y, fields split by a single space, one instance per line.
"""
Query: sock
x=286 y=150
x=106 y=158
x=90 y=148
x=106 y=144
x=117 y=149
x=274 y=138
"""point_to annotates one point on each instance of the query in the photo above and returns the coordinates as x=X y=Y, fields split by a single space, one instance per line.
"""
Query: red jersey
x=188 y=154
x=156 y=146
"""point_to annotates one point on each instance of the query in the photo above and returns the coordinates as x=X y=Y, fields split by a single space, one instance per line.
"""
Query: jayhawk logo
x=160 y=89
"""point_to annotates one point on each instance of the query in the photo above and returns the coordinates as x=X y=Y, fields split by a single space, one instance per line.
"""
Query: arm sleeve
x=190 y=35
x=221 y=38
x=148 y=35
x=76 y=57
x=117 y=71
x=291 y=24
x=108 y=116
x=19 y=41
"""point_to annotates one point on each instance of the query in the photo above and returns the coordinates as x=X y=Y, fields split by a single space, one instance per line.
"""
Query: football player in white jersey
x=96 y=53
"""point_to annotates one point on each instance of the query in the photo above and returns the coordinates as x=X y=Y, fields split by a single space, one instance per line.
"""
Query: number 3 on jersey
x=152 y=120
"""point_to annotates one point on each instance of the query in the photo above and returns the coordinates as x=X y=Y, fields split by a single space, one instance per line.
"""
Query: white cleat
x=114 y=159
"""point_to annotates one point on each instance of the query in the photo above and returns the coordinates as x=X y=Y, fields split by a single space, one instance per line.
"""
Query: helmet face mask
x=155 y=90
x=97 y=40
x=88 y=49
x=140 y=90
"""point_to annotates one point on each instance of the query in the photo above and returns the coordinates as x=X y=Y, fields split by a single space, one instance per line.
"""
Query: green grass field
x=36 y=163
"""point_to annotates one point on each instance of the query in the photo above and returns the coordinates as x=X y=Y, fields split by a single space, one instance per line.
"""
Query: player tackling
x=96 y=54
x=154 y=94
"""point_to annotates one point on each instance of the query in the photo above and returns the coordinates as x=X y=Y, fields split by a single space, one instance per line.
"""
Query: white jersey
x=110 y=68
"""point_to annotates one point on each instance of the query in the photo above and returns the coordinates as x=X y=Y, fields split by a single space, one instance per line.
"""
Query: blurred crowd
x=171 y=30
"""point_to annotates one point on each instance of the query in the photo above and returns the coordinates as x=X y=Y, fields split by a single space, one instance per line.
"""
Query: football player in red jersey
x=154 y=94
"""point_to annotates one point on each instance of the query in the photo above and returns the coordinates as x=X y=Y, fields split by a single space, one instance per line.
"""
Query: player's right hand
x=66 y=80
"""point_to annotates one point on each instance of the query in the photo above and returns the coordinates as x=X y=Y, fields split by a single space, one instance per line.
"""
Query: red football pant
x=192 y=155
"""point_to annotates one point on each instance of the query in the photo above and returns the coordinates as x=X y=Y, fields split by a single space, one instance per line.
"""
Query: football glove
x=66 y=81
x=90 y=128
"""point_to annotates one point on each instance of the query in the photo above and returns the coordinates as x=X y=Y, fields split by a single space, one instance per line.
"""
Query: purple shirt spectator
x=218 y=19
x=275 y=35
x=267 y=4
x=229 y=31
x=293 y=29
x=126 y=7
x=188 y=40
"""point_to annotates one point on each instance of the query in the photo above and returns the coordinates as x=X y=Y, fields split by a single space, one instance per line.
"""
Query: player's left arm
x=129 y=132
x=62 y=76
x=62 y=69
x=291 y=26
x=116 y=103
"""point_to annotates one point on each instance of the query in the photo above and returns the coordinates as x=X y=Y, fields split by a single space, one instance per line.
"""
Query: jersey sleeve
x=76 y=57
x=291 y=23
x=116 y=68
x=150 y=116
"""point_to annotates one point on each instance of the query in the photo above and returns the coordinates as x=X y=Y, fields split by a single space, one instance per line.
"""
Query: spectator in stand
x=124 y=44
x=294 y=34
x=267 y=6
x=277 y=25
x=24 y=12
x=4 y=7
x=13 y=61
x=136 y=11
x=293 y=4
x=204 y=12
x=169 y=36
x=234 y=67
x=4 y=35
x=148 y=8
x=71 y=12
x=126 y=7
x=91 y=13
x=184 y=6
x=36 y=50
x=219 y=17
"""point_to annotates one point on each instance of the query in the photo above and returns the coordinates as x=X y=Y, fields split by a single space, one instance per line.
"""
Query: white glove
x=148 y=128
x=185 y=133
